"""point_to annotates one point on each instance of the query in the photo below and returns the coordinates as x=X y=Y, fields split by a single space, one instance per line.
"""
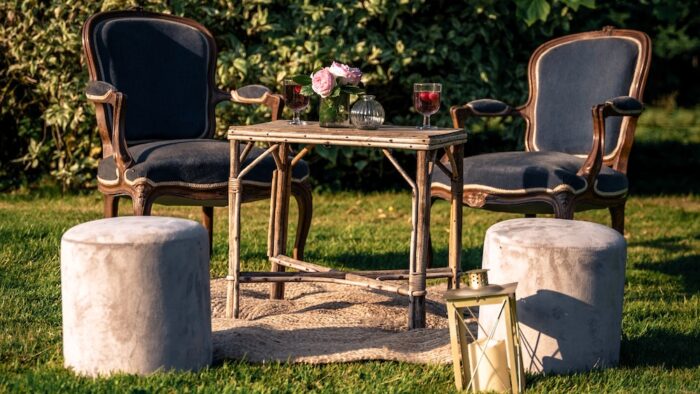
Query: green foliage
x=474 y=48
x=302 y=80
x=533 y=10
x=674 y=27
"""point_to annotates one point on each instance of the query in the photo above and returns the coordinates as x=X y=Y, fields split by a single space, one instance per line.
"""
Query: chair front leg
x=142 y=200
x=563 y=204
x=111 y=207
x=617 y=216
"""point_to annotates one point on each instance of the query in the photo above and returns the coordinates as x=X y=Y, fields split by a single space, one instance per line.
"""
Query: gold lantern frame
x=463 y=299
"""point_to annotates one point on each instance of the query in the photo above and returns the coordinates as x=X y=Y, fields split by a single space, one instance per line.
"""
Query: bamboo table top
x=387 y=136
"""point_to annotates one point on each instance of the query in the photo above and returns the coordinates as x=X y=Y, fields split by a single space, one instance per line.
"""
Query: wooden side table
x=280 y=135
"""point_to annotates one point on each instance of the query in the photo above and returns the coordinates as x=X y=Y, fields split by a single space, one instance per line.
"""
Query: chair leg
x=563 y=206
x=141 y=200
x=208 y=223
x=302 y=195
x=111 y=207
x=617 y=216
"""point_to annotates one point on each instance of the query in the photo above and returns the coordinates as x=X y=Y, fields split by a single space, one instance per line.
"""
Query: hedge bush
x=476 y=48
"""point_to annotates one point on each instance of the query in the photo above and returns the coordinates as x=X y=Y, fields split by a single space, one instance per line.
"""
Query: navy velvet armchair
x=585 y=97
x=152 y=82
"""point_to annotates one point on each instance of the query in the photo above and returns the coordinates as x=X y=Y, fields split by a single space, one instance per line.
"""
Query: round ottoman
x=135 y=293
x=571 y=277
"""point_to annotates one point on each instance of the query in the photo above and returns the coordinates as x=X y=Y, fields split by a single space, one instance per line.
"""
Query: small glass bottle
x=367 y=113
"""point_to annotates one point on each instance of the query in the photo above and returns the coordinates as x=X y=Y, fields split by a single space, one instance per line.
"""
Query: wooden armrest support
x=100 y=92
x=480 y=108
x=618 y=106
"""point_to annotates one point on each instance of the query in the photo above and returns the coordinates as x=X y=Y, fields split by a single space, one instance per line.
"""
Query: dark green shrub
x=476 y=48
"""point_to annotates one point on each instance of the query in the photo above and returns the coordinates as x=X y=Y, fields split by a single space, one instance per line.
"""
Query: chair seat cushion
x=192 y=162
x=525 y=172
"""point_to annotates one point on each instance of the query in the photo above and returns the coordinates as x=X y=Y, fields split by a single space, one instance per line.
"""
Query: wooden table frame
x=280 y=135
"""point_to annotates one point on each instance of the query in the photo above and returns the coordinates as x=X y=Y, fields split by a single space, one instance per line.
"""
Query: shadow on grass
x=664 y=167
x=672 y=244
x=687 y=267
x=661 y=348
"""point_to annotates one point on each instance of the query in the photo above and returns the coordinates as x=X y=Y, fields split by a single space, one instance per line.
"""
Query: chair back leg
x=208 y=223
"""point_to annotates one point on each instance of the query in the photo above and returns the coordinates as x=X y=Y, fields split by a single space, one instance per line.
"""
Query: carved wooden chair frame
x=564 y=202
x=143 y=192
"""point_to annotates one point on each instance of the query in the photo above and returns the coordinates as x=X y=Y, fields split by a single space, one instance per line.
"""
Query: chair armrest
x=488 y=107
x=254 y=94
x=624 y=106
x=618 y=106
x=100 y=92
x=480 y=108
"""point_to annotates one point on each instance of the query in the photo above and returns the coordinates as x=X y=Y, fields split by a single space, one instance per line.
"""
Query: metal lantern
x=477 y=279
x=487 y=364
x=367 y=113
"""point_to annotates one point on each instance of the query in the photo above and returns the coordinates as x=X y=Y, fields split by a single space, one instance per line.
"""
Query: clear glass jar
x=333 y=111
x=367 y=113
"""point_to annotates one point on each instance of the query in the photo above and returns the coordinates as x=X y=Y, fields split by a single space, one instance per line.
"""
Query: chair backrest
x=163 y=64
x=571 y=74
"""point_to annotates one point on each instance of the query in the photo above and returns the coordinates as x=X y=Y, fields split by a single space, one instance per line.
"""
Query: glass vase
x=334 y=111
x=367 y=113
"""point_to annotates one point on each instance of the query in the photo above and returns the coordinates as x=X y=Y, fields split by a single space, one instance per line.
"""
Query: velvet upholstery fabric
x=571 y=280
x=627 y=104
x=194 y=161
x=518 y=171
x=163 y=69
x=572 y=78
x=98 y=88
x=488 y=107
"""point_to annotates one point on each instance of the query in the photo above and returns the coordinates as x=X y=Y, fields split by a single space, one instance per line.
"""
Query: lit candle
x=492 y=376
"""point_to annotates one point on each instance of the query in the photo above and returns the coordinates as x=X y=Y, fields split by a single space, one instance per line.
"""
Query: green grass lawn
x=661 y=322
x=661 y=338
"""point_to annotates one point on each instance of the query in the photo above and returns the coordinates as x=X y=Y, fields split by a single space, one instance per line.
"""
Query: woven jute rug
x=327 y=323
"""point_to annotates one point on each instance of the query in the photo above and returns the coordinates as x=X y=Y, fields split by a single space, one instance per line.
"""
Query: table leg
x=234 y=231
x=273 y=204
x=455 y=246
x=281 y=215
x=416 y=283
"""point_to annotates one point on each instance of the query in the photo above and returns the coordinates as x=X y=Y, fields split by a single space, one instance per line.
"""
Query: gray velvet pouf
x=571 y=277
x=135 y=294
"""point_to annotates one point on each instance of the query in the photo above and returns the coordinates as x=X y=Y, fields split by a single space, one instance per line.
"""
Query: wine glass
x=295 y=100
x=426 y=100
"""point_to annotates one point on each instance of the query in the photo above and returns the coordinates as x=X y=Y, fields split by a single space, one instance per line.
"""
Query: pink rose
x=323 y=82
x=340 y=70
x=345 y=74
x=354 y=76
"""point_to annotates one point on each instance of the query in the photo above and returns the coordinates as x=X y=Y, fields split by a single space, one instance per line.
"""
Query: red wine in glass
x=294 y=100
x=426 y=100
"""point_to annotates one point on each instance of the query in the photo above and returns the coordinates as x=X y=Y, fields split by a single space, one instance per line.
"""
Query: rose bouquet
x=333 y=85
